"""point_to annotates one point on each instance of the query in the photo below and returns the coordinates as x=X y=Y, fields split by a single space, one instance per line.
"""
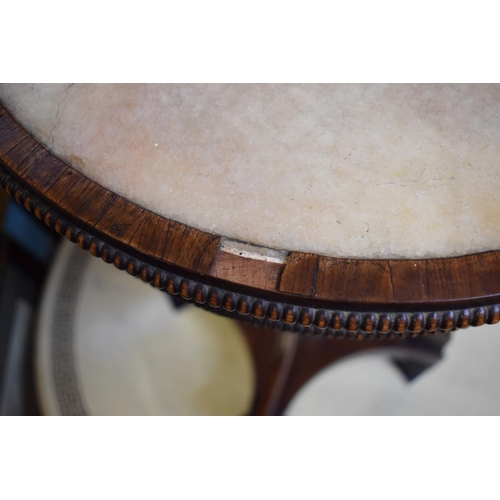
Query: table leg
x=285 y=361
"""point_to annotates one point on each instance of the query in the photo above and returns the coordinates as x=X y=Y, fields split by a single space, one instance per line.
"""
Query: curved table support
x=284 y=362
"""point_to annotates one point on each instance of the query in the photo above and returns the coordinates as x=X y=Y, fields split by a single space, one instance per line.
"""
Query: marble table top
x=390 y=171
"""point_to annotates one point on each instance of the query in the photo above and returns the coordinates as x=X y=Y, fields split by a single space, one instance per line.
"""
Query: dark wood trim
x=359 y=298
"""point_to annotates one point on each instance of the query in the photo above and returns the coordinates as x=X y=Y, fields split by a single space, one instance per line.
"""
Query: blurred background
x=27 y=247
x=78 y=337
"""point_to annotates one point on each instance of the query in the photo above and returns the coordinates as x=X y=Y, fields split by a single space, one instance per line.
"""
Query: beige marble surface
x=341 y=170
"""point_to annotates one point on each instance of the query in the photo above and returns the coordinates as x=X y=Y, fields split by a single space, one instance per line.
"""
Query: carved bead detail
x=274 y=313
x=494 y=316
x=464 y=319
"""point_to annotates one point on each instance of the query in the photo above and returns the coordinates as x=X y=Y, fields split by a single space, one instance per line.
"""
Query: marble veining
x=370 y=171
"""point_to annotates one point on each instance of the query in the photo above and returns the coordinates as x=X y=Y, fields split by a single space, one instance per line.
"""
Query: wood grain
x=151 y=236
x=354 y=280
x=299 y=274
x=189 y=248
x=249 y=272
x=10 y=132
x=463 y=277
x=404 y=272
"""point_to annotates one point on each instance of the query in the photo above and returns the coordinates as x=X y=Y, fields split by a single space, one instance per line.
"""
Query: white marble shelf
x=342 y=170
